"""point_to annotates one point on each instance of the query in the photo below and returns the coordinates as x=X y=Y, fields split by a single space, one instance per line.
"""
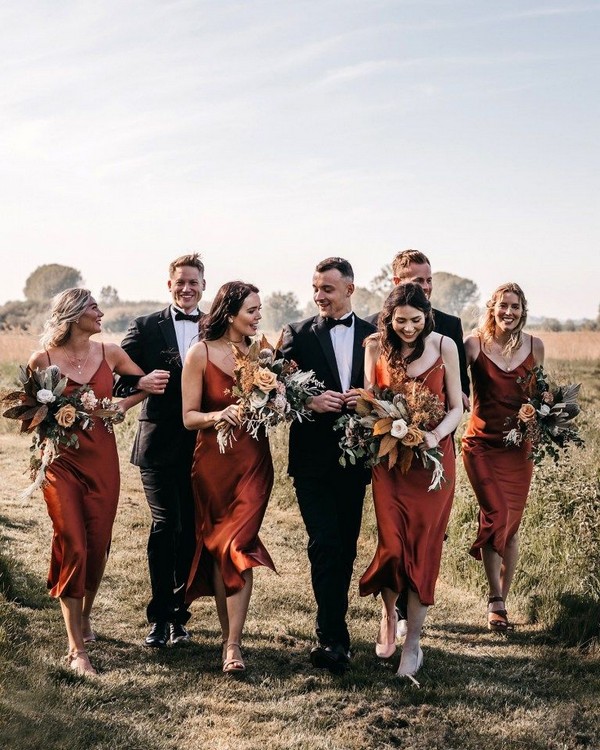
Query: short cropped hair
x=403 y=259
x=337 y=264
x=192 y=259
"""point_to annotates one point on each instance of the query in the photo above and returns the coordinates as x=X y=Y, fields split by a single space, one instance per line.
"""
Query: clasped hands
x=333 y=401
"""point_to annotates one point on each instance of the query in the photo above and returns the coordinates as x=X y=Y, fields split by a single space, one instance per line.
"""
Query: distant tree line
x=453 y=294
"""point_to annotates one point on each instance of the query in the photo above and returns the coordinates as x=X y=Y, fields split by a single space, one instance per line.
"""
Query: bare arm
x=538 y=350
x=372 y=352
x=192 y=384
x=453 y=392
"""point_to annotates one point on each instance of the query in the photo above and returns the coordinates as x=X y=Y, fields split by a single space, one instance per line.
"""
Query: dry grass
x=529 y=690
x=566 y=346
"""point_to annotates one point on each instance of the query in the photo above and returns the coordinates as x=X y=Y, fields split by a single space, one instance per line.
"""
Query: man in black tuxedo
x=163 y=449
x=330 y=496
x=413 y=265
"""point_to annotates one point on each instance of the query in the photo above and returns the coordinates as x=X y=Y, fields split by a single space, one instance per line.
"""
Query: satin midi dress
x=499 y=474
x=231 y=492
x=81 y=493
x=411 y=521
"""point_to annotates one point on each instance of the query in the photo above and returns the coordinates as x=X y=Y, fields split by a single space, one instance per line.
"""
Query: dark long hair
x=404 y=294
x=227 y=302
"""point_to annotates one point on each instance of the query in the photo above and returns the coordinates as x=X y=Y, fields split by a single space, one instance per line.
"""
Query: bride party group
x=367 y=401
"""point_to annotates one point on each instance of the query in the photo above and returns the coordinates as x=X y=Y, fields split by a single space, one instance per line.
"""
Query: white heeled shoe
x=410 y=674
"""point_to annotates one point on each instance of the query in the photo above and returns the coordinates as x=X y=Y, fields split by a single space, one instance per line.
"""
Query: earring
x=230 y=319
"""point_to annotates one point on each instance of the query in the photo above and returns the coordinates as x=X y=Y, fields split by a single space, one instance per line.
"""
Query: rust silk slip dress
x=411 y=522
x=231 y=492
x=499 y=474
x=81 y=494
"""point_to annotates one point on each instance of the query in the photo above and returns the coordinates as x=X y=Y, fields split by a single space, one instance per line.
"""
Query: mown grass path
x=478 y=690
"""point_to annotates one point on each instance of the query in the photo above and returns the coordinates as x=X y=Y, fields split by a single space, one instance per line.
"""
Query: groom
x=163 y=449
x=330 y=497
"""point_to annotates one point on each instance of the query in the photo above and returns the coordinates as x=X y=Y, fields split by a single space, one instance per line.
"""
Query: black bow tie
x=182 y=316
x=331 y=322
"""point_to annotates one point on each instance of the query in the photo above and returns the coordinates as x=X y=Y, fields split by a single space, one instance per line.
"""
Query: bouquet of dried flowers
x=390 y=425
x=545 y=416
x=44 y=410
x=269 y=389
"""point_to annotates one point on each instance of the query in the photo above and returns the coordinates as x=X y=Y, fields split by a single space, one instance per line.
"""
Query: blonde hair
x=192 y=259
x=487 y=323
x=403 y=259
x=67 y=308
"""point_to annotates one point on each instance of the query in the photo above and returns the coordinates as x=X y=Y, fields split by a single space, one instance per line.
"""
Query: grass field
x=537 y=688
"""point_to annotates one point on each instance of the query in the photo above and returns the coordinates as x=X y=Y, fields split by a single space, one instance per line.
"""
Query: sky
x=270 y=134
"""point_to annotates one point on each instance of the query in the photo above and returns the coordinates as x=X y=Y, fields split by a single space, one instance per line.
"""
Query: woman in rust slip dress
x=231 y=490
x=411 y=521
x=82 y=484
x=499 y=353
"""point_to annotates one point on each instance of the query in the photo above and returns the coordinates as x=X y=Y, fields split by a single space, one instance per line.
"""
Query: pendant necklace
x=76 y=361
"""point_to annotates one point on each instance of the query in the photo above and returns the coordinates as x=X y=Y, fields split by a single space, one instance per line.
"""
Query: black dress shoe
x=334 y=658
x=158 y=635
x=178 y=633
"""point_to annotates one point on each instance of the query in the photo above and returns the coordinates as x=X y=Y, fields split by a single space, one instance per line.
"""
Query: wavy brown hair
x=487 y=325
x=67 y=308
x=228 y=301
x=391 y=344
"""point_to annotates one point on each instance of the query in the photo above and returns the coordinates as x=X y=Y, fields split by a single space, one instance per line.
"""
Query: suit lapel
x=324 y=339
x=167 y=329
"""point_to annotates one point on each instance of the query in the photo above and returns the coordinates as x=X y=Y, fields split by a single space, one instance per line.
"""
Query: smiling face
x=186 y=286
x=408 y=322
x=245 y=323
x=332 y=293
x=418 y=273
x=508 y=312
x=90 y=319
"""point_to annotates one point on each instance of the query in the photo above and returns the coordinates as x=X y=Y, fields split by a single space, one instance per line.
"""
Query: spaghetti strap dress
x=81 y=493
x=231 y=492
x=411 y=522
x=499 y=474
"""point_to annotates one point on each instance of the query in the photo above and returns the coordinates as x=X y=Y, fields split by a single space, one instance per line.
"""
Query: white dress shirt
x=185 y=330
x=342 y=338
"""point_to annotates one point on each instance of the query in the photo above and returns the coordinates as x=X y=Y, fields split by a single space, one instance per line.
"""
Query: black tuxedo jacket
x=447 y=325
x=161 y=438
x=314 y=448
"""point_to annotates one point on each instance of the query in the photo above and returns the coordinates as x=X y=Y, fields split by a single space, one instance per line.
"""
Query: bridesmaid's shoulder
x=38 y=360
x=537 y=347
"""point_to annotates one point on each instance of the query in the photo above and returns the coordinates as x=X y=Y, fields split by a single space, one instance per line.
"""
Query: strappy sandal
x=235 y=665
x=72 y=662
x=498 y=618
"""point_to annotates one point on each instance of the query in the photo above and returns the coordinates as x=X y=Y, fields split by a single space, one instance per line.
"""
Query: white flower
x=89 y=400
x=399 y=428
x=258 y=399
x=280 y=403
x=544 y=410
x=44 y=396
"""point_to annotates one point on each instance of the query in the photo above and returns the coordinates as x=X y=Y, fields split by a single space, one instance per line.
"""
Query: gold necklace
x=76 y=361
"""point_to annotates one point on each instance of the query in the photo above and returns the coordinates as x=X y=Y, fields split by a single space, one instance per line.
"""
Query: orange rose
x=413 y=437
x=526 y=413
x=265 y=379
x=66 y=415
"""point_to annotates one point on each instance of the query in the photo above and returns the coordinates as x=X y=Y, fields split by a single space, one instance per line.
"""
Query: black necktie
x=182 y=316
x=331 y=322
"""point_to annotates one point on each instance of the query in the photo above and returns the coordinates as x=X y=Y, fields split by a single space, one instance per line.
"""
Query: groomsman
x=163 y=449
x=413 y=265
x=330 y=497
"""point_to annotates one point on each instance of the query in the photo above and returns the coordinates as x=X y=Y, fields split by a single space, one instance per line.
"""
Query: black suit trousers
x=172 y=540
x=331 y=507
